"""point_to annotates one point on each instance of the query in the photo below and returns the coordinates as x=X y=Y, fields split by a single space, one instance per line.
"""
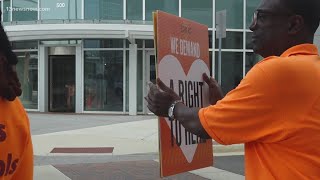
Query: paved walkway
x=126 y=147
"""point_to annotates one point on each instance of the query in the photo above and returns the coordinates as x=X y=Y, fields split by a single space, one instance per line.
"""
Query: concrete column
x=79 y=100
x=43 y=79
x=133 y=51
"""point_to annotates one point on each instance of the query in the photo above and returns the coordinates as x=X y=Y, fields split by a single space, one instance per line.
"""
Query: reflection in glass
x=231 y=70
x=24 y=15
x=134 y=9
x=249 y=44
x=251 y=6
x=140 y=84
x=234 y=12
x=105 y=43
x=149 y=43
x=251 y=60
x=25 y=45
x=210 y=39
x=139 y=43
x=103 y=80
x=27 y=69
x=234 y=40
x=210 y=62
x=199 y=11
x=62 y=83
x=61 y=9
x=103 y=9
x=127 y=81
x=170 y=6
x=6 y=11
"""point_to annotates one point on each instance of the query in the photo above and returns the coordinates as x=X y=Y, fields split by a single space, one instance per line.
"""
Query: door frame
x=43 y=66
x=146 y=78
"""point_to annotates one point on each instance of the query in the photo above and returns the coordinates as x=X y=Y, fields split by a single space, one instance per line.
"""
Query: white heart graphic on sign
x=170 y=69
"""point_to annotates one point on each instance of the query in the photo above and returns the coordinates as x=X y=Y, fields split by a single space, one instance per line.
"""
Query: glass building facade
x=98 y=55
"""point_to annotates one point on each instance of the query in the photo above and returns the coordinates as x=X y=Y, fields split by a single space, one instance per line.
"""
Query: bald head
x=308 y=9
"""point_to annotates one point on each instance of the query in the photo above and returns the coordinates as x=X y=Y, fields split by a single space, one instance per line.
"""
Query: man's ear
x=296 y=24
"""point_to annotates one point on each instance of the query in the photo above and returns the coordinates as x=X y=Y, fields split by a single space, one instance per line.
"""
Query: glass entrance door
x=62 y=83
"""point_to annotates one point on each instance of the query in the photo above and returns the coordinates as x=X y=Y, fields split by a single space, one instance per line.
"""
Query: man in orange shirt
x=16 y=153
x=275 y=110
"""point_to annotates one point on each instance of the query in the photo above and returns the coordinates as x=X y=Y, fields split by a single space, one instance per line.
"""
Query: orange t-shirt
x=16 y=153
x=275 y=111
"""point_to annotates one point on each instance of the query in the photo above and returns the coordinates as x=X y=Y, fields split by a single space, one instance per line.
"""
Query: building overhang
x=78 y=31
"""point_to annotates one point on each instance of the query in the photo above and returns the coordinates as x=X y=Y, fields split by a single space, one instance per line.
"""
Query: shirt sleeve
x=245 y=114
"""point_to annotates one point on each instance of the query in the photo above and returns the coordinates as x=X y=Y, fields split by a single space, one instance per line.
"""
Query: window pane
x=170 y=6
x=134 y=9
x=103 y=80
x=210 y=62
x=27 y=69
x=25 y=45
x=103 y=9
x=105 y=43
x=234 y=12
x=139 y=43
x=200 y=11
x=251 y=60
x=249 y=40
x=234 y=40
x=127 y=81
x=61 y=9
x=210 y=39
x=149 y=43
x=231 y=70
x=251 y=7
x=140 y=82
x=6 y=11
x=24 y=10
x=215 y=66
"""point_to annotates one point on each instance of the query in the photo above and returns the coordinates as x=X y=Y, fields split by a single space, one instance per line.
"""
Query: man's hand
x=10 y=86
x=215 y=92
x=160 y=101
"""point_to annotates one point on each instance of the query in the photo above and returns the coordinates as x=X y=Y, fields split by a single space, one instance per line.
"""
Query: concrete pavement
x=133 y=140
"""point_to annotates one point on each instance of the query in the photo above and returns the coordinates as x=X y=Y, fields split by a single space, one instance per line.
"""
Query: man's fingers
x=152 y=109
x=151 y=106
x=206 y=79
x=209 y=80
x=149 y=101
x=152 y=88
x=162 y=86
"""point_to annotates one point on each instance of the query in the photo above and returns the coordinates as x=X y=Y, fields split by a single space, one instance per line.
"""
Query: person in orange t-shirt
x=275 y=110
x=16 y=153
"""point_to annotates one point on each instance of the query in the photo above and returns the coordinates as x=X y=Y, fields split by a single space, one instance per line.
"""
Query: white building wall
x=317 y=38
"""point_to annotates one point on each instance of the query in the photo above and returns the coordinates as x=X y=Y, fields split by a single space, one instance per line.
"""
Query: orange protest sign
x=182 y=57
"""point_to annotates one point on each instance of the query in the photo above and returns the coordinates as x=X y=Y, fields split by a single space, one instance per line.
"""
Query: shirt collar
x=306 y=49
